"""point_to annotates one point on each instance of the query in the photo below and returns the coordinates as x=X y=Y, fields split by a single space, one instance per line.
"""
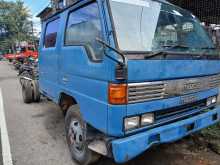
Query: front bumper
x=127 y=148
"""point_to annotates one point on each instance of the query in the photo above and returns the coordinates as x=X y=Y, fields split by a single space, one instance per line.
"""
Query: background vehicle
x=128 y=80
x=23 y=52
x=9 y=56
x=28 y=75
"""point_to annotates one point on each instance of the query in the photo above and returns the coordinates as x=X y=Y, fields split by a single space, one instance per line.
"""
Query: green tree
x=15 y=24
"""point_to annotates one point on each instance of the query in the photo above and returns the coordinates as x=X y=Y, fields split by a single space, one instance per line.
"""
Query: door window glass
x=51 y=33
x=84 y=27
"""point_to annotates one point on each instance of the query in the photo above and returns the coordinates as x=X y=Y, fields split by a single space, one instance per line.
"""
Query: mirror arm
x=115 y=50
x=119 y=62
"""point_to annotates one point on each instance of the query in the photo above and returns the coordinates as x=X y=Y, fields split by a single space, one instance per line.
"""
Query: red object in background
x=9 y=56
x=25 y=52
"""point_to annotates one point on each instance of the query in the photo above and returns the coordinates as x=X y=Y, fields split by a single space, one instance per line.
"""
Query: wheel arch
x=66 y=100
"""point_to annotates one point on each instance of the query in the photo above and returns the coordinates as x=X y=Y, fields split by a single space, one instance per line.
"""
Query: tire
x=36 y=91
x=76 y=137
x=27 y=92
x=23 y=74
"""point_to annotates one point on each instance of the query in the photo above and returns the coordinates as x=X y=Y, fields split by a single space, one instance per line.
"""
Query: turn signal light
x=117 y=94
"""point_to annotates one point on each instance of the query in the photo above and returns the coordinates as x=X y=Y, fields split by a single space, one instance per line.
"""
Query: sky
x=35 y=6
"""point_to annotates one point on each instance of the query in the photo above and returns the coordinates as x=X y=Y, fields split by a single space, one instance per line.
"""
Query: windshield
x=145 y=25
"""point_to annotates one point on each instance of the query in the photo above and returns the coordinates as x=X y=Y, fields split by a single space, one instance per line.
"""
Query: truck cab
x=128 y=75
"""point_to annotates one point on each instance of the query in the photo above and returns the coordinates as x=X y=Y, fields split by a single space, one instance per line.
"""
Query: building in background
x=44 y=14
x=208 y=11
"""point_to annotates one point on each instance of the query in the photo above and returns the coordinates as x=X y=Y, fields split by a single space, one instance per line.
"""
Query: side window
x=51 y=33
x=83 y=27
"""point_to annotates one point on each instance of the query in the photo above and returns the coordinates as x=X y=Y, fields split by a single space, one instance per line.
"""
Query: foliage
x=212 y=137
x=15 y=24
x=212 y=132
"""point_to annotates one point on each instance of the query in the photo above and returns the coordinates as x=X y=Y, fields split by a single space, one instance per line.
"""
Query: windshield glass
x=145 y=25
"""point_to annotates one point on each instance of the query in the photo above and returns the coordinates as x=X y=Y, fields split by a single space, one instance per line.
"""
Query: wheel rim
x=76 y=137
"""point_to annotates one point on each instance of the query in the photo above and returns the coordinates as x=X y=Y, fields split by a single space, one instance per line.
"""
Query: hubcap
x=76 y=136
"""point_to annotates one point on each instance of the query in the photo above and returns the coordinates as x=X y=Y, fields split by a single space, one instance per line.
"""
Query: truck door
x=83 y=69
x=48 y=58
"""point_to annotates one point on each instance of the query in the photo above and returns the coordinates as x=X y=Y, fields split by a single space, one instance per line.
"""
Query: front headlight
x=147 y=119
x=131 y=123
x=211 y=100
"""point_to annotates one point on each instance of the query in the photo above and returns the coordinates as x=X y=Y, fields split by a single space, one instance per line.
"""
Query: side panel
x=77 y=77
x=85 y=80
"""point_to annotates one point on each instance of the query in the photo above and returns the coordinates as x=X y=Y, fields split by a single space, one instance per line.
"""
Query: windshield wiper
x=155 y=54
x=209 y=48
x=165 y=51
x=206 y=50
x=169 y=47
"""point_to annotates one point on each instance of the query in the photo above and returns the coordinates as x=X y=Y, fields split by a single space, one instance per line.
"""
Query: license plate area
x=188 y=99
x=190 y=127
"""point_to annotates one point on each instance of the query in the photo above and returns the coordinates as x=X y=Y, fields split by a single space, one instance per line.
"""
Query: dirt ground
x=183 y=152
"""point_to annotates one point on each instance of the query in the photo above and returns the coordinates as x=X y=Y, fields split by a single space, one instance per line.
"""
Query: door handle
x=65 y=79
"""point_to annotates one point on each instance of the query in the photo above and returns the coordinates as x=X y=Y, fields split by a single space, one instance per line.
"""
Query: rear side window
x=83 y=27
x=51 y=33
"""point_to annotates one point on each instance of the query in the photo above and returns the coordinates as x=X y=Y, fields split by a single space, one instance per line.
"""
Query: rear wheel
x=27 y=92
x=76 y=137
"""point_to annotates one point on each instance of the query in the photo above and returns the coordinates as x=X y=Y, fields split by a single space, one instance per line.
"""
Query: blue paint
x=72 y=70
x=151 y=70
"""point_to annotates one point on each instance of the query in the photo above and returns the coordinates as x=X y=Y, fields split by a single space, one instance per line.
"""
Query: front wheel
x=76 y=137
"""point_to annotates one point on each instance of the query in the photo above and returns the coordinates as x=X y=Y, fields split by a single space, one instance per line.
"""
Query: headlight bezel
x=131 y=119
x=149 y=119
x=139 y=123
x=211 y=101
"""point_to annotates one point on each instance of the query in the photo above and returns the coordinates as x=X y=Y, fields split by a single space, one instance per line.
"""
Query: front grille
x=214 y=81
x=148 y=91
x=181 y=111
x=171 y=115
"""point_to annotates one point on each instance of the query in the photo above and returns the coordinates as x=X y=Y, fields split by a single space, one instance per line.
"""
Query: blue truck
x=128 y=74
